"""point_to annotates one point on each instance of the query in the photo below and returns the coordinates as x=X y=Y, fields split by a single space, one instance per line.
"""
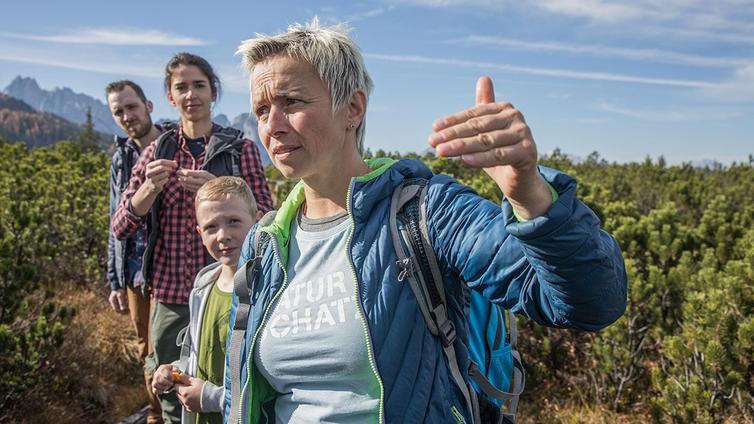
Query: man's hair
x=334 y=56
x=193 y=60
x=118 y=86
x=224 y=188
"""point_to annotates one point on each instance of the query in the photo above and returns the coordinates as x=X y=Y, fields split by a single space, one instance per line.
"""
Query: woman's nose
x=277 y=122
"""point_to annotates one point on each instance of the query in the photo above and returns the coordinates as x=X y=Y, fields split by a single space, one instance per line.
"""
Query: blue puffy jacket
x=559 y=269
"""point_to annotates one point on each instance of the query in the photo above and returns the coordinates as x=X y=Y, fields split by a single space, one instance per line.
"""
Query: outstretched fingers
x=487 y=127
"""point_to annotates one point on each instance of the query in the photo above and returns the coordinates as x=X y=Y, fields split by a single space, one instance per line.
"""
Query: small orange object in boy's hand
x=176 y=376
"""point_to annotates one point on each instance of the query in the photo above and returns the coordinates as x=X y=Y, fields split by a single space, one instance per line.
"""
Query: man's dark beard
x=147 y=129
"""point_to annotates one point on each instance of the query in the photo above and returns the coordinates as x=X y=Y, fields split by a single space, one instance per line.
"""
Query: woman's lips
x=283 y=150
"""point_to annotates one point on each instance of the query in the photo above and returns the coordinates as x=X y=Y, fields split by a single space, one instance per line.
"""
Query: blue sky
x=625 y=78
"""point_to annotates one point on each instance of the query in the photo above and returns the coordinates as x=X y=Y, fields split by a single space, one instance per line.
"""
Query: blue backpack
x=495 y=378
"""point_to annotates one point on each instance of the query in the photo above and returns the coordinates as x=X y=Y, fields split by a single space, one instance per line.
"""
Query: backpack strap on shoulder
x=243 y=287
x=164 y=148
x=418 y=264
x=166 y=145
x=124 y=163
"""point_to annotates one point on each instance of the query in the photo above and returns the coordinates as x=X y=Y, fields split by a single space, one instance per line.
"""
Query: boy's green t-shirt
x=214 y=332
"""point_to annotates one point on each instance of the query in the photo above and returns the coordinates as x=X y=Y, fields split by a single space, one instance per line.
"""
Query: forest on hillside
x=682 y=353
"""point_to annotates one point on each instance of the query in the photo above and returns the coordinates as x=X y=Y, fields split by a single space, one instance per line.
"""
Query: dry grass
x=98 y=378
x=547 y=412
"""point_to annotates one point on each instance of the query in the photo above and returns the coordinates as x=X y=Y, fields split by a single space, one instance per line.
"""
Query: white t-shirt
x=313 y=348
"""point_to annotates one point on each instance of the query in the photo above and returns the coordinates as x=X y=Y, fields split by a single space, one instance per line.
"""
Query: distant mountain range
x=63 y=102
x=20 y=122
x=57 y=112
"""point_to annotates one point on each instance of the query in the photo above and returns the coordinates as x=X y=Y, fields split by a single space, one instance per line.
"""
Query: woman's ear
x=170 y=98
x=357 y=108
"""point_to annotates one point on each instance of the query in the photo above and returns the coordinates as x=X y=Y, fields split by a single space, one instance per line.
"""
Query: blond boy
x=225 y=212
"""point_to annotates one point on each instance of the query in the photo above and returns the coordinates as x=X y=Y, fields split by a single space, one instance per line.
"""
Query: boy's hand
x=193 y=179
x=163 y=379
x=190 y=393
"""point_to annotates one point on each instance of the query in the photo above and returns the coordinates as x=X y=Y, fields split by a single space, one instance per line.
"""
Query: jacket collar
x=207 y=275
x=365 y=191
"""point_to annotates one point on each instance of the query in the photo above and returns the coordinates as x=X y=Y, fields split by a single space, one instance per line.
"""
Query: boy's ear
x=259 y=215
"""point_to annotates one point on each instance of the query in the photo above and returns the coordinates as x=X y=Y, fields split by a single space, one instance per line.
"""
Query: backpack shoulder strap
x=165 y=148
x=125 y=163
x=166 y=145
x=243 y=287
x=418 y=264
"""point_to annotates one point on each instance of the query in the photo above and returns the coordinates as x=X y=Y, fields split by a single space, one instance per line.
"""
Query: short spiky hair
x=329 y=50
x=224 y=188
x=118 y=86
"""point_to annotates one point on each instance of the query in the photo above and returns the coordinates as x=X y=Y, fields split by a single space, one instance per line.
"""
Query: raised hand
x=494 y=136
x=158 y=174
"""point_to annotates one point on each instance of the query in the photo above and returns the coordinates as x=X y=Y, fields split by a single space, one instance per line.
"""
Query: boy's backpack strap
x=243 y=286
x=418 y=264
x=183 y=340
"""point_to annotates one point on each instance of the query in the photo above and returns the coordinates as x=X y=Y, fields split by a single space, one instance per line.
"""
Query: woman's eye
x=261 y=111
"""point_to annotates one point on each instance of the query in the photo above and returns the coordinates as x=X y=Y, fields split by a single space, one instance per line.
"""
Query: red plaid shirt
x=179 y=253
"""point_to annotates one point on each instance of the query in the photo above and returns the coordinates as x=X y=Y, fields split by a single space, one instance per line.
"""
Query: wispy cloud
x=725 y=20
x=653 y=55
x=557 y=95
x=360 y=16
x=549 y=72
x=99 y=66
x=593 y=9
x=738 y=88
x=110 y=36
x=670 y=115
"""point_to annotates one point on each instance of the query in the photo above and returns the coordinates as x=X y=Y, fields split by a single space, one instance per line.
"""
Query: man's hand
x=158 y=174
x=495 y=137
x=189 y=392
x=193 y=179
x=119 y=301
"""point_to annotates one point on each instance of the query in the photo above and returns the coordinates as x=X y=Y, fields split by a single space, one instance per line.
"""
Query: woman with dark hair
x=164 y=182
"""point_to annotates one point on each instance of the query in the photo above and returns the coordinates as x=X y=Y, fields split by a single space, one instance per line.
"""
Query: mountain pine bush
x=682 y=353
